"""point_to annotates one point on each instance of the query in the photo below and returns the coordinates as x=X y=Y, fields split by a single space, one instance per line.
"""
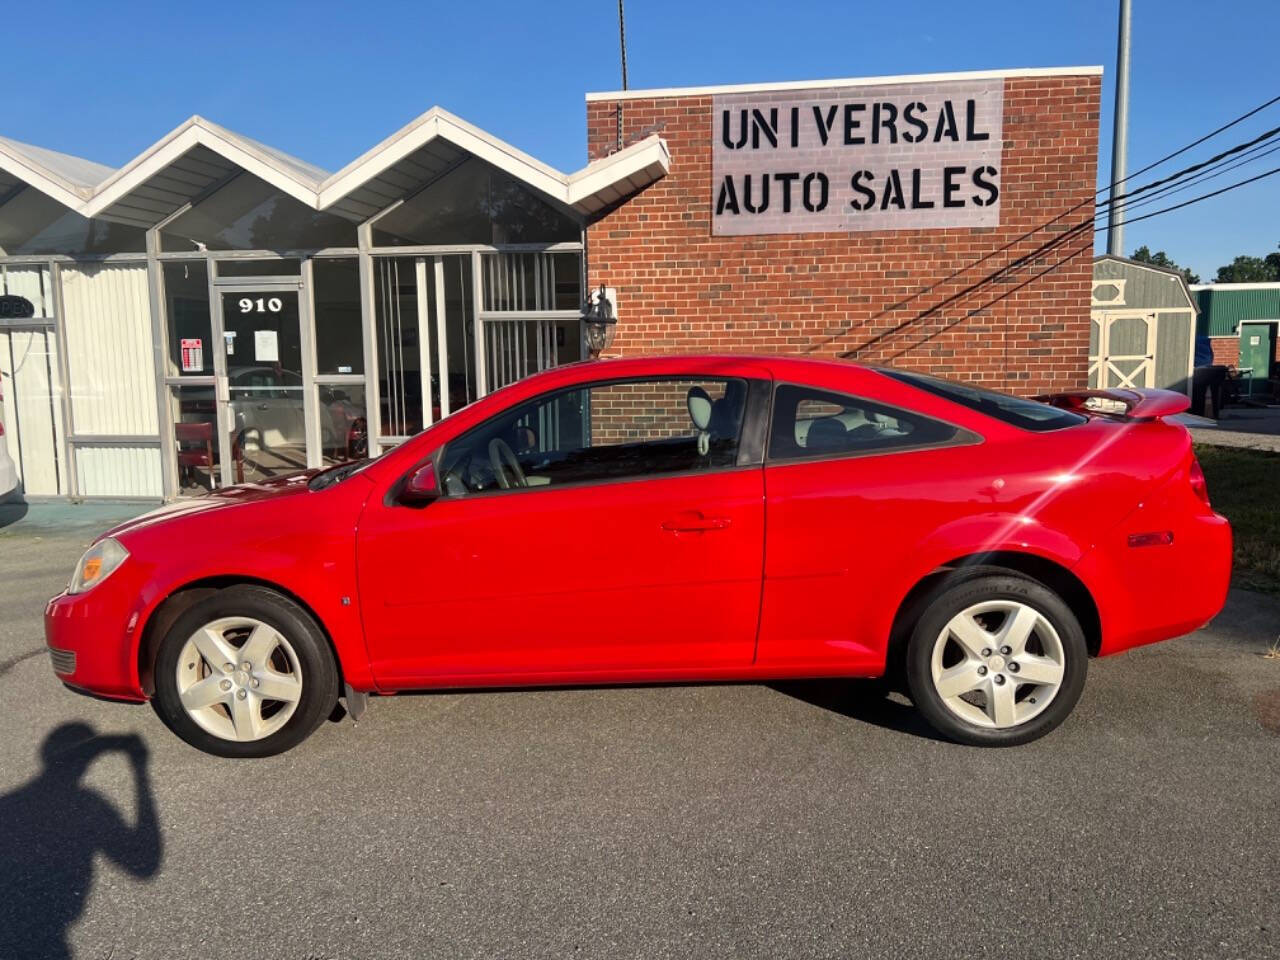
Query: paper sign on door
x=266 y=347
x=192 y=355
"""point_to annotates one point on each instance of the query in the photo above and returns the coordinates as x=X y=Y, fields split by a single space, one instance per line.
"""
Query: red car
x=670 y=519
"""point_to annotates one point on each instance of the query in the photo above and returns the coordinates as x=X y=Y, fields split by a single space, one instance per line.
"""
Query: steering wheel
x=502 y=458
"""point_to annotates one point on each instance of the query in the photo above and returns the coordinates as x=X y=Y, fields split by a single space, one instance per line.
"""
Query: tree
x=1161 y=259
x=1246 y=269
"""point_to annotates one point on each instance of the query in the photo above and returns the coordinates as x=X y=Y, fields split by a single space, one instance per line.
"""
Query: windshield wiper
x=334 y=475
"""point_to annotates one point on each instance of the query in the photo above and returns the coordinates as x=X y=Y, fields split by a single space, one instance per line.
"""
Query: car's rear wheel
x=244 y=673
x=996 y=660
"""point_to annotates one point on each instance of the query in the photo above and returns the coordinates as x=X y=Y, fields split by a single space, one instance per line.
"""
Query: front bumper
x=91 y=638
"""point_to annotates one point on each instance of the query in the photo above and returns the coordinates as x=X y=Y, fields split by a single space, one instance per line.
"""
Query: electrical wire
x=1155 y=187
x=1186 y=203
x=1030 y=258
x=1194 y=143
x=1257 y=153
x=1268 y=136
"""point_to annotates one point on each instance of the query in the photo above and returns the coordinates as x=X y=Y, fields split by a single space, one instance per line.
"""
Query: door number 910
x=261 y=305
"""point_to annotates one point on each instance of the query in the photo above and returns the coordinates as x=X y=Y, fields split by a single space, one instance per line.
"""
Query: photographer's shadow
x=51 y=830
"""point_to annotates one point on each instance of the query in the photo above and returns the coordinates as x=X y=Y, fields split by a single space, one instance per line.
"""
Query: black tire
x=958 y=594
x=315 y=658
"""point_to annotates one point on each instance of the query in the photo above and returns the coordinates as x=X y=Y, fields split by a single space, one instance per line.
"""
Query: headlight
x=99 y=562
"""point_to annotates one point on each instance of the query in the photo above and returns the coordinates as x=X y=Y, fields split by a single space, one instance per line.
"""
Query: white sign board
x=266 y=346
x=885 y=157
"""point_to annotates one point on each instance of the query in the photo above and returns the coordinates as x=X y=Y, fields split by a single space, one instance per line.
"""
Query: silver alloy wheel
x=239 y=678
x=998 y=664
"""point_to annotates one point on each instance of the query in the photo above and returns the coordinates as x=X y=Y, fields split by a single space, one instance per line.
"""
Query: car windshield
x=1020 y=412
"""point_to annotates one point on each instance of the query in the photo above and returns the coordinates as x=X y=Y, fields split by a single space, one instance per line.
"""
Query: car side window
x=809 y=423
x=599 y=432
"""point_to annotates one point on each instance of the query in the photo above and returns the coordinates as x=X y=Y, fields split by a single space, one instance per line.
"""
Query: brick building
x=974 y=261
x=216 y=310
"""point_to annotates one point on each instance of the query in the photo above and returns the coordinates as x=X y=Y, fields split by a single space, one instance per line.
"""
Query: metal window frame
x=154 y=258
x=233 y=285
x=508 y=329
x=57 y=372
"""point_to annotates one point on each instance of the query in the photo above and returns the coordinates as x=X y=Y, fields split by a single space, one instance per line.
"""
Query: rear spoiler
x=1131 y=404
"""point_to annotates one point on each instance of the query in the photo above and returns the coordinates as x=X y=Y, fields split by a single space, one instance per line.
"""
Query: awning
x=199 y=156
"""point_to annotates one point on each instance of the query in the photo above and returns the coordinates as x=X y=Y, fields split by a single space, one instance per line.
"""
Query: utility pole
x=1119 y=137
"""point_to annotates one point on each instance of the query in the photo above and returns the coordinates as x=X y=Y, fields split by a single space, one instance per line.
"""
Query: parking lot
x=802 y=820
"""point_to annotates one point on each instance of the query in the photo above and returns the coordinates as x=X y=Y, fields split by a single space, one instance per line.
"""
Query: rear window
x=1027 y=414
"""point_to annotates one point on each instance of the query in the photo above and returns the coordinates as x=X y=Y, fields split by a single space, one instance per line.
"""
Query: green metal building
x=1241 y=320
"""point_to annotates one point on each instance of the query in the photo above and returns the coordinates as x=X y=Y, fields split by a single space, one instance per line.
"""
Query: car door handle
x=695 y=523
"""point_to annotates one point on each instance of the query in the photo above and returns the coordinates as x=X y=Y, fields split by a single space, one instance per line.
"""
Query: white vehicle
x=8 y=472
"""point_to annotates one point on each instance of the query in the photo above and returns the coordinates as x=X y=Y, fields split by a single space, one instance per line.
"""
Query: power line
x=1039 y=252
x=1257 y=153
x=1163 y=185
x=1265 y=137
x=1194 y=143
x=1186 y=203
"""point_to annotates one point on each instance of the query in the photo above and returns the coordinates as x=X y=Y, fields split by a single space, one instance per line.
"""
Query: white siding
x=32 y=421
x=109 y=354
x=119 y=471
x=30 y=281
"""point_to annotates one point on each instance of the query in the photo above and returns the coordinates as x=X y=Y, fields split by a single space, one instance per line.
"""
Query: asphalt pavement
x=798 y=820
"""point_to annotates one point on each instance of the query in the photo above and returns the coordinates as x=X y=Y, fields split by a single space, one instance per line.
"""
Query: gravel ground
x=798 y=820
x=1251 y=428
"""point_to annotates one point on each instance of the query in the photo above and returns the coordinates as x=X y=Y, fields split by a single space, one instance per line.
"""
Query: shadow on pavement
x=864 y=700
x=53 y=827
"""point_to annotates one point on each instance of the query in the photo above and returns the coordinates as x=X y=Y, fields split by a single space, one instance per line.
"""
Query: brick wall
x=945 y=301
x=1226 y=350
x=634 y=412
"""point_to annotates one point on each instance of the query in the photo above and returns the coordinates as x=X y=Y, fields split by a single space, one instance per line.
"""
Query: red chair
x=195 y=450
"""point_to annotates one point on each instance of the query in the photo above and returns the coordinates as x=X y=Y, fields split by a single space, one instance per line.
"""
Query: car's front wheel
x=245 y=672
x=996 y=660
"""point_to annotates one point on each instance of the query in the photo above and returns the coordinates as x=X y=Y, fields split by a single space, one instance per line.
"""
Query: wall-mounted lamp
x=599 y=322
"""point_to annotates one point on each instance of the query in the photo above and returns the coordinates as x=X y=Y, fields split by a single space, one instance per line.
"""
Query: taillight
x=1198 y=486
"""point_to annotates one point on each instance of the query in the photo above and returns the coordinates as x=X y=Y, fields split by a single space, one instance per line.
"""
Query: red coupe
x=670 y=520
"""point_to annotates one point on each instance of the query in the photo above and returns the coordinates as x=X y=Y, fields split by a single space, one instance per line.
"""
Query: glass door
x=261 y=398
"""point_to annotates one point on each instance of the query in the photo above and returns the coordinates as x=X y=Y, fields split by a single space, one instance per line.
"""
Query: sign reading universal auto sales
x=888 y=157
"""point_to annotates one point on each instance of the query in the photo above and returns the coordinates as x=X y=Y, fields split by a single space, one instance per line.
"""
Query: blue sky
x=327 y=80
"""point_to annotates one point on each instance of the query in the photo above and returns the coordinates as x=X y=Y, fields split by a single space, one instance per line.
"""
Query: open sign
x=16 y=308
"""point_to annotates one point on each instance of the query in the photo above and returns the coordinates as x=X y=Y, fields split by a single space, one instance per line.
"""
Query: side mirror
x=421 y=486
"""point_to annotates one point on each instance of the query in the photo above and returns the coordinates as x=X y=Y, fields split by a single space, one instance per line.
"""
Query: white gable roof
x=199 y=155
x=67 y=179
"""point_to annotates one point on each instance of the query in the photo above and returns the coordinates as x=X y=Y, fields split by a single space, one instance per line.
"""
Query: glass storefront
x=287 y=337
x=344 y=423
x=263 y=347
x=194 y=413
x=475 y=203
x=190 y=322
x=335 y=291
x=249 y=214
